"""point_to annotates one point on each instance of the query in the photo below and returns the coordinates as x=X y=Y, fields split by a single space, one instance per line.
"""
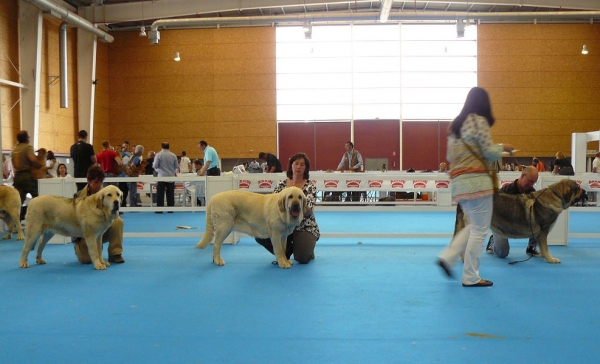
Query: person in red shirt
x=107 y=159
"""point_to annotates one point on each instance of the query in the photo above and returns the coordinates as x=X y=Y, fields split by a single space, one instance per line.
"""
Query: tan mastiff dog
x=87 y=217
x=272 y=216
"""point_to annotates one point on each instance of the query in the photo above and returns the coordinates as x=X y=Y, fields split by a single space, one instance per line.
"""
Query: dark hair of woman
x=290 y=172
x=478 y=102
x=58 y=170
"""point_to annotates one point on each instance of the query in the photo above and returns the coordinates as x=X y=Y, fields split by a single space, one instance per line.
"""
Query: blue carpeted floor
x=360 y=301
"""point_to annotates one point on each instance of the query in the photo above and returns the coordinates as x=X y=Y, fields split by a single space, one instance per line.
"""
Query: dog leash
x=531 y=224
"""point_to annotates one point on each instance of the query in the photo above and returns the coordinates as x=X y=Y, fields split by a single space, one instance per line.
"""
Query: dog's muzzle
x=115 y=206
x=581 y=199
x=295 y=209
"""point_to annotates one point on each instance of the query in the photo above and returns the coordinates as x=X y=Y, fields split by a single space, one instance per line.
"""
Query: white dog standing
x=88 y=217
x=272 y=216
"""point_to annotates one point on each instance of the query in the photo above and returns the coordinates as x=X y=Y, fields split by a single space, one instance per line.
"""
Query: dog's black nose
x=115 y=206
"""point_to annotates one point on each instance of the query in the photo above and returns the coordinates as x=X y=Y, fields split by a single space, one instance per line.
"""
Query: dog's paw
x=8 y=236
x=219 y=261
x=99 y=266
x=40 y=261
x=285 y=265
x=553 y=260
x=24 y=265
x=20 y=237
x=106 y=264
x=290 y=262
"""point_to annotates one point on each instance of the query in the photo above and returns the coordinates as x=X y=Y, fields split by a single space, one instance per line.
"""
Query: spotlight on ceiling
x=584 y=50
x=177 y=58
x=142 y=31
x=153 y=36
x=460 y=28
x=307 y=28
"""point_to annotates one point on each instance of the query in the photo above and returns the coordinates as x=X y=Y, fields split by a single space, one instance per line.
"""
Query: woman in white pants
x=470 y=151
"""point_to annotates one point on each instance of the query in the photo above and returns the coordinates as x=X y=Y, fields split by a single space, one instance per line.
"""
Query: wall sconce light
x=177 y=58
x=584 y=50
x=307 y=28
x=460 y=28
x=142 y=31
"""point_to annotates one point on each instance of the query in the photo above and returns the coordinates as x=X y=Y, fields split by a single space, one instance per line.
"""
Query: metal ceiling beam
x=159 y=9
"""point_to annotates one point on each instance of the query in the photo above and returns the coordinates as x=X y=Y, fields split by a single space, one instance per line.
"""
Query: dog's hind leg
x=543 y=243
x=46 y=236
x=33 y=234
x=279 y=245
x=221 y=234
x=209 y=233
x=16 y=223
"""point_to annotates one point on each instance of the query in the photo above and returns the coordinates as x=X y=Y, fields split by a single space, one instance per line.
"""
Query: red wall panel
x=378 y=139
x=424 y=144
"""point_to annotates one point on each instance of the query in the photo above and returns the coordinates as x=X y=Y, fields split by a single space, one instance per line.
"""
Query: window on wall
x=438 y=70
x=350 y=72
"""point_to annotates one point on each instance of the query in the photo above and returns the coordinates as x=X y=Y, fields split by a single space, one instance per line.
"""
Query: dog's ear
x=281 y=202
x=99 y=199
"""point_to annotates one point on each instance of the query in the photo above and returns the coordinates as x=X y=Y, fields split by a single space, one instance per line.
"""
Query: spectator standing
x=52 y=163
x=273 y=163
x=24 y=160
x=211 y=160
x=596 y=163
x=165 y=164
x=107 y=159
x=83 y=156
x=185 y=166
x=149 y=167
x=136 y=167
x=352 y=161
x=125 y=159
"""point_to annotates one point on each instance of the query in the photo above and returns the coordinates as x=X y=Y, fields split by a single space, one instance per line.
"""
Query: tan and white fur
x=88 y=217
x=10 y=211
x=273 y=216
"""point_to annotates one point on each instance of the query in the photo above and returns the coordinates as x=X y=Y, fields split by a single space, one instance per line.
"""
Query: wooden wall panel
x=222 y=90
x=57 y=124
x=542 y=88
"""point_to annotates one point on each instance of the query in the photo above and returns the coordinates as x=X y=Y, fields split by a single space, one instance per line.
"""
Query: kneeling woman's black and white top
x=309 y=223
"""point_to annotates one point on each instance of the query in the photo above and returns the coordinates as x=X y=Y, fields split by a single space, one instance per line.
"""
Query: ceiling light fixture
x=584 y=50
x=177 y=58
x=307 y=28
x=460 y=29
x=142 y=29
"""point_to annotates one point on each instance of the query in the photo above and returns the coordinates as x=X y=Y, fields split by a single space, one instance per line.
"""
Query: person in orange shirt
x=538 y=164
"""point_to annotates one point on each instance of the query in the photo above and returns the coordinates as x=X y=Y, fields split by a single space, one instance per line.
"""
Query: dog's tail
x=209 y=233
